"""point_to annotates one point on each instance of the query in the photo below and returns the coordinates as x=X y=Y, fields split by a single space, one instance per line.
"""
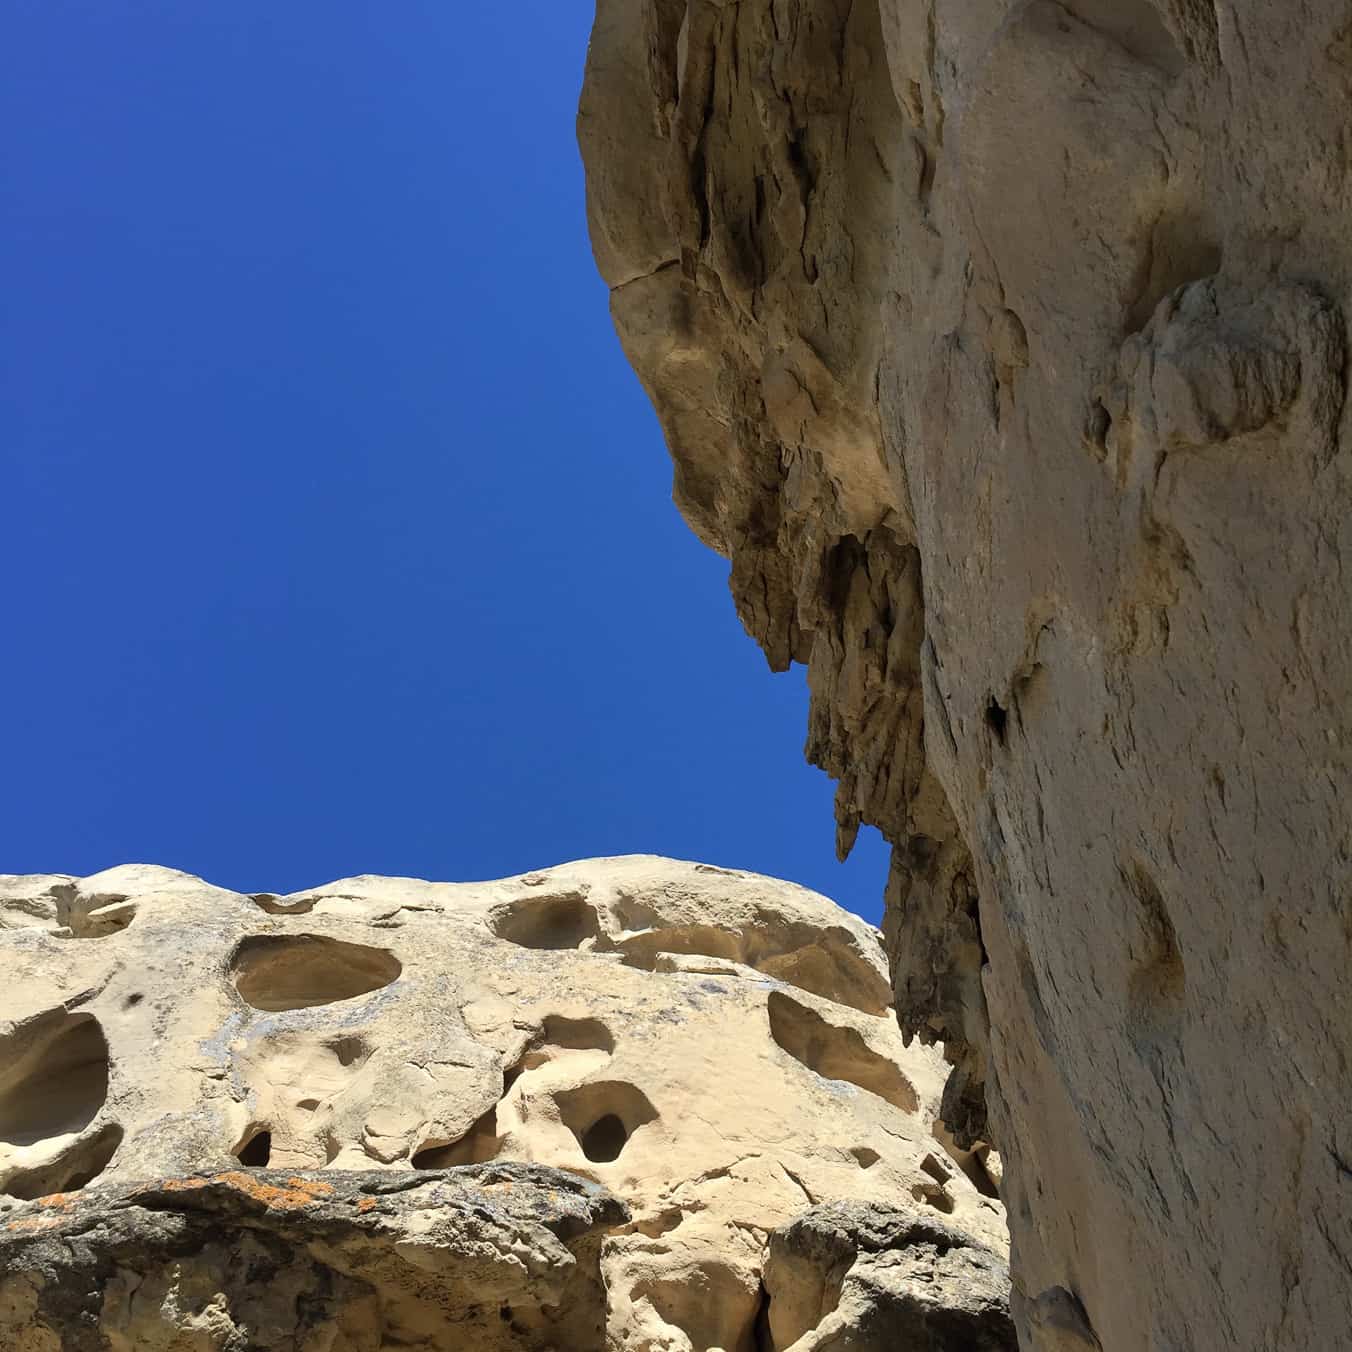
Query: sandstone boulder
x=214 y=1077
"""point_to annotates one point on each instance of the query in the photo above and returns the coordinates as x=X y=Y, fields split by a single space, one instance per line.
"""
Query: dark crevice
x=604 y=1139
x=997 y=720
x=762 y=1338
x=1097 y=426
x=256 y=1151
x=980 y=1179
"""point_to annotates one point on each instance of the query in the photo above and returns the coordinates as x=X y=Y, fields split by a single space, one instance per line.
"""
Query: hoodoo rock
x=627 y=1103
x=1000 y=346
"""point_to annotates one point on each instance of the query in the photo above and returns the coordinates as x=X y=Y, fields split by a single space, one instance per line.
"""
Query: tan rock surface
x=713 y=1049
x=1000 y=347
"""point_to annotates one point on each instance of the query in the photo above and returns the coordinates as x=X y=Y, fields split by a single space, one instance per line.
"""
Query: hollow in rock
x=277 y=971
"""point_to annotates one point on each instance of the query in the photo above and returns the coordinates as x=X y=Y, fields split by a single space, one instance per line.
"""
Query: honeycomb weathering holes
x=91 y=917
x=276 y=905
x=478 y=1145
x=53 y=1077
x=576 y=1034
x=830 y=965
x=558 y=1036
x=275 y=972
x=53 y=1084
x=349 y=1051
x=73 y=1168
x=836 y=1052
x=557 y=922
x=603 y=1115
x=823 y=962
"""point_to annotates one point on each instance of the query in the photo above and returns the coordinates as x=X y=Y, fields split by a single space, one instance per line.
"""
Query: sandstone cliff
x=628 y=1103
x=1000 y=347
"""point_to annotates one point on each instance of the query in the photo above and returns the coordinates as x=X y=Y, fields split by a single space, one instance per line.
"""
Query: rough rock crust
x=853 y=1274
x=1001 y=348
x=360 y=1073
x=477 y=1258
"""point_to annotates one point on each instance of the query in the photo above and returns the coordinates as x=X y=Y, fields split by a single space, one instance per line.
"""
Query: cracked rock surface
x=1001 y=348
x=568 y=1110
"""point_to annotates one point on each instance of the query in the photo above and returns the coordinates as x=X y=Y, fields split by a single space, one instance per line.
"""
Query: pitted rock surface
x=196 y=1073
x=1000 y=346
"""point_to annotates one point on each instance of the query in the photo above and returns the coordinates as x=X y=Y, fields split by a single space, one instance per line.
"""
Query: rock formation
x=628 y=1103
x=1001 y=348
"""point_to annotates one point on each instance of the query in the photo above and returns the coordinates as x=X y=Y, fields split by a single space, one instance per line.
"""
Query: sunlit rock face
x=571 y=1109
x=1000 y=347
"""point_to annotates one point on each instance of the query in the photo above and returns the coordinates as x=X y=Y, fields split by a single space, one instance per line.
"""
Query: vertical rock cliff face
x=1000 y=347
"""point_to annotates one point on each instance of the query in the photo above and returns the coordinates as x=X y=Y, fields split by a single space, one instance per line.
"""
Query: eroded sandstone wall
x=1000 y=346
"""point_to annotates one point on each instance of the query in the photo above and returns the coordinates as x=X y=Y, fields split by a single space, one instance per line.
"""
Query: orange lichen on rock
x=29 y=1224
x=62 y=1201
x=180 y=1184
x=298 y=1192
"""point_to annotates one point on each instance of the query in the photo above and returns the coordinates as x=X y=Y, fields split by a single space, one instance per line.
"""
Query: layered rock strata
x=570 y=1109
x=1001 y=349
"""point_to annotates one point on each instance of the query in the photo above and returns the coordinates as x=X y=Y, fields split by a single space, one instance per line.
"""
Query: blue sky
x=337 y=533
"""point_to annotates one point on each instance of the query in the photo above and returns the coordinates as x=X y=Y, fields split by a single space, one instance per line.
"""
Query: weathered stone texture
x=1000 y=347
x=477 y=1258
x=860 y=1274
x=338 y=1121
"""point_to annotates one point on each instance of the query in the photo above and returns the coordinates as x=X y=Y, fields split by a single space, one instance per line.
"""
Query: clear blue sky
x=337 y=533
